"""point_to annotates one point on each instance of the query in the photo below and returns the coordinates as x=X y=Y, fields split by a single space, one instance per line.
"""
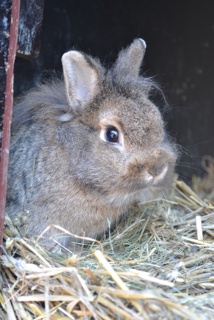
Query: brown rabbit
x=85 y=150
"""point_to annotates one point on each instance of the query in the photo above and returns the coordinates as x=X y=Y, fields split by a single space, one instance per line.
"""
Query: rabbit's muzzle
x=156 y=169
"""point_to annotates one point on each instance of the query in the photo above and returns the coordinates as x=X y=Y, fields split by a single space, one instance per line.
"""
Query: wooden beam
x=9 y=19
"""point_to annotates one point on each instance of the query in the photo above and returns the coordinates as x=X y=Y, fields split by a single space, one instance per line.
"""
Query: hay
x=157 y=264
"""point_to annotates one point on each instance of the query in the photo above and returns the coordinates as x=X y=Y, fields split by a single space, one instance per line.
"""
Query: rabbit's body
x=84 y=151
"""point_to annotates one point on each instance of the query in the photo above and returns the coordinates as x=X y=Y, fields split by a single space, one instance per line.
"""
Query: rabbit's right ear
x=81 y=79
x=129 y=60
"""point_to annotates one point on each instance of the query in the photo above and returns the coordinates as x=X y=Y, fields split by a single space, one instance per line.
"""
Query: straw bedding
x=157 y=264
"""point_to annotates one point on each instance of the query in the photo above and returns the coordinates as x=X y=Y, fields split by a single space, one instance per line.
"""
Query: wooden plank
x=30 y=26
x=9 y=18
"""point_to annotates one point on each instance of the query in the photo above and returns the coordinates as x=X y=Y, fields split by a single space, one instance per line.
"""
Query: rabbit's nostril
x=158 y=172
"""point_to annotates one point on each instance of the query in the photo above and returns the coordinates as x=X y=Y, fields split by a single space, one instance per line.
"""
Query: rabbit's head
x=113 y=134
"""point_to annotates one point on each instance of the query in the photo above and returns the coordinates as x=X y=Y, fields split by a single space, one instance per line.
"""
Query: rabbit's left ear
x=130 y=59
x=81 y=79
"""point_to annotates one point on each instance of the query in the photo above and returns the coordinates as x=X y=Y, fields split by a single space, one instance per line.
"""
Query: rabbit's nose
x=158 y=172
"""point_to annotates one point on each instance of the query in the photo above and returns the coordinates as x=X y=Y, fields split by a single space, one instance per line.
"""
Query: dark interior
x=180 y=57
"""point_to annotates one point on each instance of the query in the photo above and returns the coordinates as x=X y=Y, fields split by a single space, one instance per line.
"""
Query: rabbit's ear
x=81 y=78
x=130 y=59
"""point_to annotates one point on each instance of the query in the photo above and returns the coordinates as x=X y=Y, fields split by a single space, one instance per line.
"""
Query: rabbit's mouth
x=149 y=179
x=139 y=190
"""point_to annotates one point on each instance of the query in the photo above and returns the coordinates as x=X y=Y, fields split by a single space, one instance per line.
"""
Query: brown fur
x=62 y=171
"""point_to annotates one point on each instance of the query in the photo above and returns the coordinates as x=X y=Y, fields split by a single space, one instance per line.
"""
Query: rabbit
x=86 y=149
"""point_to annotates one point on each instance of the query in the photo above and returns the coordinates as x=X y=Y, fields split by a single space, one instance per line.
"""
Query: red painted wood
x=8 y=111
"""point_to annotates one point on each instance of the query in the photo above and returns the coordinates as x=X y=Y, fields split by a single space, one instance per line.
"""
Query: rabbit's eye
x=112 y=135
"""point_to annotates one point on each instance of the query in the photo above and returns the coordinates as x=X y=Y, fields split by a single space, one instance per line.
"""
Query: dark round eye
x=112 y=134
